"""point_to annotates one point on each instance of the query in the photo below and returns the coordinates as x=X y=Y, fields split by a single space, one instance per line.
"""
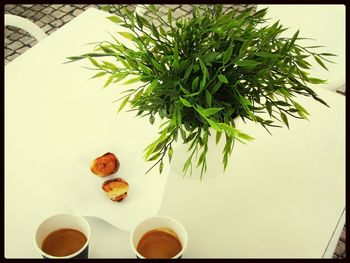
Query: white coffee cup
x=59 y=221
x=158 y=222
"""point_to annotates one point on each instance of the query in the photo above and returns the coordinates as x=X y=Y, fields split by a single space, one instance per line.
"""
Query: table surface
x=281 y=196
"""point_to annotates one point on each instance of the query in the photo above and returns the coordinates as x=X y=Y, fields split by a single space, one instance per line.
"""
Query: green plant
x=203 y=72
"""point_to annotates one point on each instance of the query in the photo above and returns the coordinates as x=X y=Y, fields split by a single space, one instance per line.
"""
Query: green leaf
x=188 y=72
x=176 y=57
x=203 y=68
x=316 y=81
x=185 y=102
x=327 y=54
x=267 y=55
x=151 y=118
x=208 y=98
x=94 y=62
x=291 y=43
x=227 y=54
x=222 y=78
x=190 y=137
x=216 y=87
x=161 y=166
x=155 y=31
x=127 y=35
x=268 y=107
x=156 y=65
x=106 y=8
x=195 y=83
x=246 y=62
x=145 y=69
x=282 y=103
x=246 y=44
x=183 y=134
x=319 y=61
x=170 y=153
x=124 y=102
x=284 y=119
x=214 y=125
x=170 y=17
x=119 y=76
x=218 y=136
x=162 y=31
x=203 y=82
x=300 y=108
x=133 y=80
x=114 y=19
x=138 y=20
x=109 y=80
x=100 y=74
x=210 y=111
x=153 y=8
x=234 y=132
x=184 y=90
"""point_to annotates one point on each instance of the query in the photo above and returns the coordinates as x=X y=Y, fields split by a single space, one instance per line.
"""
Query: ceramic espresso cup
x=60 y=222
x=158 y=222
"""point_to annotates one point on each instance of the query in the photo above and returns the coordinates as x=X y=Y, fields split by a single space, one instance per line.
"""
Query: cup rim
x=68 y=256
x=184 y=244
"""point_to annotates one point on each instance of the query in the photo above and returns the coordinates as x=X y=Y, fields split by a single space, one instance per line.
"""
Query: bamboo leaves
x=199 y=74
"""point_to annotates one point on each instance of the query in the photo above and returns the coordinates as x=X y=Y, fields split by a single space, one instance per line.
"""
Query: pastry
x=104 y=165
x=116 y=189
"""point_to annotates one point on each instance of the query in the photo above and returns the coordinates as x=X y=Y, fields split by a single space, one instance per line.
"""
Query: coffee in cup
x=159 y=237
x=63 y=236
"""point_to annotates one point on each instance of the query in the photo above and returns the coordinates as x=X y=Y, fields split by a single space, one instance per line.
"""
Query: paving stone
x=58 y=14
x=39 y=23
x=76 y=12
x=340 y=249
x=27 y=6
x=67 y=8
x=27 y=39
x=8 y=52
x=52 y=30
x=9 y=30
x=38 y=7
x=67 y=18
x=57 y=23
x=179 y=13
x=7 y=40
x=55 y=6
x=12 y=57
x=9 y=7
x=17 y=10
x=38 y=16
x=80 y=6
x=28 y=13
x=47 y=19
x=47 y=10
x=46 y=28
x=187 y=8
x=163 y=10
x=15 y=36
x=92 y=6
x=15 y=45
x=343 y=235
x=23 y=49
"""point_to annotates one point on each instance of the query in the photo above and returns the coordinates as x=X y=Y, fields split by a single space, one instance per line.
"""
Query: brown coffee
x=159 y=243
x=63 y=242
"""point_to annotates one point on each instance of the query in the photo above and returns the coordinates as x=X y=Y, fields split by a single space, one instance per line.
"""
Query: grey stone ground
x=51 y=17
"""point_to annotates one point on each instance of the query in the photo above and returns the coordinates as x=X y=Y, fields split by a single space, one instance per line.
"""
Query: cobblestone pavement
x=50 y=17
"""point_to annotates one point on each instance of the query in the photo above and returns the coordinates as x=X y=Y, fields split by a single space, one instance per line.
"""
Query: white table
x=282 y=195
